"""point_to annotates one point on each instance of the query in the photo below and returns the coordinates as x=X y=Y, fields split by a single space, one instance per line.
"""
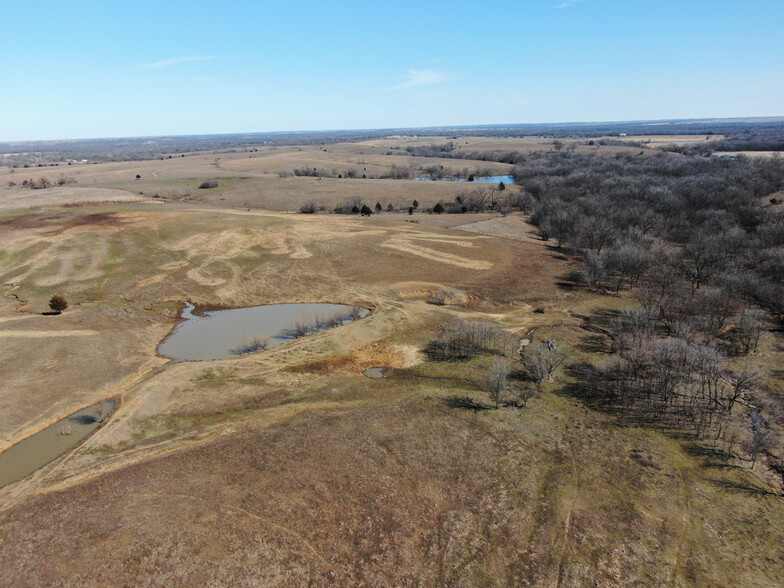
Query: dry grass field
x=288 y=466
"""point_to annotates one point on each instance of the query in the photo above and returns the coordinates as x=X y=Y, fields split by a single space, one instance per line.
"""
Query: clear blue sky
x=78 y=69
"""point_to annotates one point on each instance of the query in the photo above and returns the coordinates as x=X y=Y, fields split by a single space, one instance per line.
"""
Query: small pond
x=220 y=334
x=36 y=451
x=377 y=373
x=507 y=180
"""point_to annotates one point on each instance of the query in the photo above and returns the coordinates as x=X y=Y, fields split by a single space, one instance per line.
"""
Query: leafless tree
x=522 y=394
x=742 y=381
x=595 y=233
x=628 y=261
x=544 y=360
x=748 y=330
x=497 y=381
x=592 y=271
x=759 y=432
x=464 y=339
x=475 y=201
x=521 y=200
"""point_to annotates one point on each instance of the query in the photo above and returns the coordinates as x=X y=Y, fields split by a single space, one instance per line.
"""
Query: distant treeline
x=753 y=138
x=140 y=148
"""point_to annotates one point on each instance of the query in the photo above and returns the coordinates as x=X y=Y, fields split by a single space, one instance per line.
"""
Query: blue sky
x=106 y=68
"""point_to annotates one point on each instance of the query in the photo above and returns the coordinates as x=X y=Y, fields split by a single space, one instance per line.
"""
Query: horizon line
x=756 y=119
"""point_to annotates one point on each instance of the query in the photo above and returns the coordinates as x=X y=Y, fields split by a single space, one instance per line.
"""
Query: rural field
x=289 y=466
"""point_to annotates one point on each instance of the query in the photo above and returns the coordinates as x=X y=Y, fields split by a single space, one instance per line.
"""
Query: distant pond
x=482 y=179
x=220 y=334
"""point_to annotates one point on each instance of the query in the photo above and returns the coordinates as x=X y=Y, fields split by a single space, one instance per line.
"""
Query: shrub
x=438 y=208
x=255 y=344
x=208 y=184
x=58 y=303
x=308 y=208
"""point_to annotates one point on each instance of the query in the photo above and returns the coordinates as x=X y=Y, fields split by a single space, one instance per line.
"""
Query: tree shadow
x=710 y=457
x=465 y=403
x=519 y=374
x=742 y=488
x=594 y=344
x=83 y=419
x=598 y=321
x=559 y=253
x=567 y=286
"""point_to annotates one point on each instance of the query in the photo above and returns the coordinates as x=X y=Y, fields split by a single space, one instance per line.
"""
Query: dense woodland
x=700 y=243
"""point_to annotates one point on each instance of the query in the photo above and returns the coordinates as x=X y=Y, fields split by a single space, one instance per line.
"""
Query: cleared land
x=290 y=467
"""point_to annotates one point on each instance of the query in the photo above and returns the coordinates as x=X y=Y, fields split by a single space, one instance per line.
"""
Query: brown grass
x=288 y=467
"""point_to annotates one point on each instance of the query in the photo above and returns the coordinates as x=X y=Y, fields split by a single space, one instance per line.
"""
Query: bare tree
x=475 y=201
x=465 y=339
x=544 y=361
x=595 y=233
x=759 y=431
x=522 y=394
x=742 y=382
x=748 y=330
x=716 y=306
x=497 y=381
x=592 y=271
x=628 y=261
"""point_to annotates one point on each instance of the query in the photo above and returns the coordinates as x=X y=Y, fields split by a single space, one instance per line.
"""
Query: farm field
x=289 y=466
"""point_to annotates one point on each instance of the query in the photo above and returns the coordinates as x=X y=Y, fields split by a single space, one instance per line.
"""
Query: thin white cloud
x=423 y=77
x=175 y=61
x=568 y=3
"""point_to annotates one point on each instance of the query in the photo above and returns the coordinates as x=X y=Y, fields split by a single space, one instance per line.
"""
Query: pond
x=377 y=373
x=36 y=451
x=508 y=180
x=220 y=334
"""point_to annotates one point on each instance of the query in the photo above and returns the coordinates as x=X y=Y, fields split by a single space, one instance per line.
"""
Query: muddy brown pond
x=220 y=334
x=36 y=451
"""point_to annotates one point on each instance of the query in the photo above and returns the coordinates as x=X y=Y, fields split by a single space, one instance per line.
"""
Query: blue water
x=482 y=179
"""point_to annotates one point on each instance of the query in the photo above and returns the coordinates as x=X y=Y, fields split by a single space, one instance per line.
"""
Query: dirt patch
x=434 y=293
x=378 y=353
